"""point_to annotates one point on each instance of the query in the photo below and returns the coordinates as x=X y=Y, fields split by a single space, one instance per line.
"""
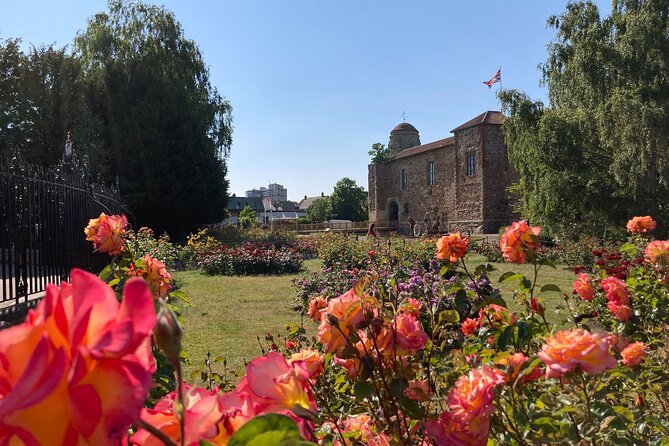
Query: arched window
x=406 y=208
x=471 y=165
x=404 y=179
x=430 y=173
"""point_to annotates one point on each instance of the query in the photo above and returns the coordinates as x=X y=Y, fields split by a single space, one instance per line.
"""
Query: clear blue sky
x=315 y=83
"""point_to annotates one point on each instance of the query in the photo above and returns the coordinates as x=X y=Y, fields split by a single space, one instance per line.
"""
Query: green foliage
x=320 y=210
x=600 y=152
x=269 y=430
x=379 y=153
x=349 y=201
x=144 y=242
x=165 y=131
x=247 y=217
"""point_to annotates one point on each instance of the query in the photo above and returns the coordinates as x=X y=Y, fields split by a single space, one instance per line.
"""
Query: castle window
x=430 y=173
x=404 y=179
x=471 y=165
x=406 y=208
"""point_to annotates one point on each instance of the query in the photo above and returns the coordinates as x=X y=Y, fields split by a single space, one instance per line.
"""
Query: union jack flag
x=496 y=78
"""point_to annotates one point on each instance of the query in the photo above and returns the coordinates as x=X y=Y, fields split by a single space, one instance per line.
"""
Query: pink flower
x=616 y=290
x=570 y=349
x=641 y=225
x=634 y=354
x=418 y=390
x=514 y=364
x=80 y=364
x=583 y=287
x=409 y=334
x=312 y=359
x=518 y=240
x=107 y=233
x=473 y=393
x=621 y=312
x=497 y=314
x=616 y=342
x=203 y=417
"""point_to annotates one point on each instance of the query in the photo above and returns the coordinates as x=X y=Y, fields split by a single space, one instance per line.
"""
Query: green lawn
x=226 y=314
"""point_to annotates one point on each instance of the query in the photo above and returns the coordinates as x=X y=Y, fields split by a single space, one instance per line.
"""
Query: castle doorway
x=393 y=212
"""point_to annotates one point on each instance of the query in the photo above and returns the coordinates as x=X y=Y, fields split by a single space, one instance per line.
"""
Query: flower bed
x=249 y=258
x=405 y=354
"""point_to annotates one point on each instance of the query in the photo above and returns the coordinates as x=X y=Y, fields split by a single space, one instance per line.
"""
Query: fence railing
x=43 y=212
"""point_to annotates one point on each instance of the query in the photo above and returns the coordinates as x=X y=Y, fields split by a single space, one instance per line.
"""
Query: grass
x=560 y=276
x=227 y=314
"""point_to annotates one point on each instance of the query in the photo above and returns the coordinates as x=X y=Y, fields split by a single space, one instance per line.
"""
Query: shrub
x=248 y=258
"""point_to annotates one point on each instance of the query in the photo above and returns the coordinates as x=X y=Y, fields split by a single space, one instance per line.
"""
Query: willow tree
x=598 y=153
x=165 y=131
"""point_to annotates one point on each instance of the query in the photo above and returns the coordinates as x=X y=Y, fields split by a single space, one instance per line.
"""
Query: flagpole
x=500 y=78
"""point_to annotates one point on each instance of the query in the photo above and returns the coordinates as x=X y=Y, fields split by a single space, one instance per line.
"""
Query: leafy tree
x=165 y=131
x=349 y=201
x=599 y=153
x=320 y=210
x=247 y=217
x=379 y=153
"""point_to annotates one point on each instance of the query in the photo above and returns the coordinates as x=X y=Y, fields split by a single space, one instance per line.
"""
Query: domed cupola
x=403 y=136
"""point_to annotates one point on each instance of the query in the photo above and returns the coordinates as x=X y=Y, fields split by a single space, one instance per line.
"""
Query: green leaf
x=443 y=270
x=550 y=287
x=509 y=275
x=179 y=295
x=363 y=389
x=548 y=262
x=268 y=430
x=461 y=302
x=451 y=316
x=629 y=249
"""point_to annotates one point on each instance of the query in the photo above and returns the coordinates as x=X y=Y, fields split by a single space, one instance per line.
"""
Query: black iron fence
x=43 y=212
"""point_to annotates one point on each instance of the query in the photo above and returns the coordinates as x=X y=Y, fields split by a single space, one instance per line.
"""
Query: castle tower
x=403 y=136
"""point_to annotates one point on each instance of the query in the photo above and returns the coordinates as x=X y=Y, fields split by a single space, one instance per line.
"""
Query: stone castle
x=456 y=183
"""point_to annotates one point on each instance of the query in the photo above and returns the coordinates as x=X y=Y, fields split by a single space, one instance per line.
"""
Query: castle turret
x=403 y=136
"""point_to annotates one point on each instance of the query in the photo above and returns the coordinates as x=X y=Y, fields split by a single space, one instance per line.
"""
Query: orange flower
x=452 y=247
x=518 y=240
x=616 y=290
x=641 y=225
x=469 y=326
x=497 y=314
x=106 y=233
x=155 y=273
x=411 y=306
x=315 y=306
x=202 y=414
x=345 y=312
x=583 y=288
x=657 y=253
x=621 y=312
x=634 y=354
x=312 y=359
x=472 y=395
x=80 y=364
x=570 y=349
x=513 y=364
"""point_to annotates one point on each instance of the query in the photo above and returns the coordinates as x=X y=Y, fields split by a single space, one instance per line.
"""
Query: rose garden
x=402 y=341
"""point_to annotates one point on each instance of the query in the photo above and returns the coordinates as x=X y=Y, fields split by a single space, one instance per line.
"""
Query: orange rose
x=202 y=414
x=469 y=326
x=78 y=370
x=472 y=395
x=312 y=359
x=641 y=225
x=570 y=349
x=155 y=273
x=583 y=288
x=497 y=314
x=616 y=290
x=634 y=354
x=452 y=247
x=621 y=312
x=107 y=233
x=315 y=306
x=657 y=253
x=518 y=240
x=346 y=313
x=513 y=365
